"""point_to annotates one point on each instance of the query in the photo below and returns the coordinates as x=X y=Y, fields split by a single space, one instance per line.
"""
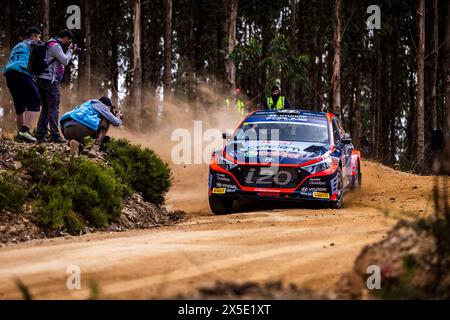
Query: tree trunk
x=46 y=20
x=266 y=34
x=293 y=48
x=88 y=45
x=376 y=95
x=313 y=72
x=137 y=64
x=395 y=103
x=357 y=128
x=420 y=156
x=336 y=78
x=8 y=117
x=114 y=70
x=167 y=77
x=434 y=64
x=190 y=46
x=447 y=71
x=230 y=68
x=7 y=26
x=412 y=117
x=219 y=57
x=318 y=82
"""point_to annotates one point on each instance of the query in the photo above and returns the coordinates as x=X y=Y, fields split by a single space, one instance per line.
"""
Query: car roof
x=289 y=114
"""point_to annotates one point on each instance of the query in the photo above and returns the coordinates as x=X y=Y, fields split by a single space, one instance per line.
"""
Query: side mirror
x=346 y=140
x=226 y=135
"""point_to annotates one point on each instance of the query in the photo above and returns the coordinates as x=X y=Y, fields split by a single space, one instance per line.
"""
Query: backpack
x=37 y=64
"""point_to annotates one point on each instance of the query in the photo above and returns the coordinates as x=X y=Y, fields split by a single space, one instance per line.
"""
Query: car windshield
x=283 y=131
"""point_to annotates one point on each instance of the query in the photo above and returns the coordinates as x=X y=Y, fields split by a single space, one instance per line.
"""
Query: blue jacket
x=18 y=60
x=90 y=114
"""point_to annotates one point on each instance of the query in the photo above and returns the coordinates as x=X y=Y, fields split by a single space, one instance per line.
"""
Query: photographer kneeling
x=90 y=119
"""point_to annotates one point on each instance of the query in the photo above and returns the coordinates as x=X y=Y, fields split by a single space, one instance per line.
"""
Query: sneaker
x=58 y=140
x=74 y=148
x=94 y=152
x=26 y=136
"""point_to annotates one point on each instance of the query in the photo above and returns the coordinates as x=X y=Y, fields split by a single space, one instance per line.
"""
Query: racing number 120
x=281 y=178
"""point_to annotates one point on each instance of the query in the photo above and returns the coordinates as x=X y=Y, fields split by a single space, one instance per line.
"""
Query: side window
x=336 y=132
x=341 y=128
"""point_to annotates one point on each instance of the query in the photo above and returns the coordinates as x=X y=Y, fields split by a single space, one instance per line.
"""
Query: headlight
x=319 y=166
x=222 y=162
x=226 y=164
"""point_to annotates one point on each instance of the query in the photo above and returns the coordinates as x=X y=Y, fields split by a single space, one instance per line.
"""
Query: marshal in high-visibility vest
x=276 y=101
x=240 y=106
x=281 y=102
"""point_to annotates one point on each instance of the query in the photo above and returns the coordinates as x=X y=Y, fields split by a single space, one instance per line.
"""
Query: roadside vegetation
x=12 y=193
x=71 y=193
x=141 y=169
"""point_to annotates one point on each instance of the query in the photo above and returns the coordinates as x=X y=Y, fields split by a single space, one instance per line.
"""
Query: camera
x=115 y=112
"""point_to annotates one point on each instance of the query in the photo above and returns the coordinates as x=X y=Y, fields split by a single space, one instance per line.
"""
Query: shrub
x=71 y=192
x=12 y=192
x=140 y=168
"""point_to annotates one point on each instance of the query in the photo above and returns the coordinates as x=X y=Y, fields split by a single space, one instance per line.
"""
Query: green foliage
x=72 y=192
x=140 y=168
x=12 y=192
x=281 y=64
x=75 y=192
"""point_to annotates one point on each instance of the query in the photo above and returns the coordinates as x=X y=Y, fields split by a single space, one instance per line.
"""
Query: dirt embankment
x=18 y=224
x=413 y=262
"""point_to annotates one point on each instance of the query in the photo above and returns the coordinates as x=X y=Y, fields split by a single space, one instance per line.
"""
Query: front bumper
x=318 y=187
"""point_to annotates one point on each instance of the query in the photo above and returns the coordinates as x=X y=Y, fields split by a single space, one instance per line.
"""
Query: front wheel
x=222 y=205
x=339 y=202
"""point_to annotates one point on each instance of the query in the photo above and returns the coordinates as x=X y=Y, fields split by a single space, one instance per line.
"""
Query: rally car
x=287 y=155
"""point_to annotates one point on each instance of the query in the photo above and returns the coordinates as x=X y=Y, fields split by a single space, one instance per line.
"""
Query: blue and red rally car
x=284 y=155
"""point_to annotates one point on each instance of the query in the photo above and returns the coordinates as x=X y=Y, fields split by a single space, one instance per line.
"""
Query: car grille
x=269 y=177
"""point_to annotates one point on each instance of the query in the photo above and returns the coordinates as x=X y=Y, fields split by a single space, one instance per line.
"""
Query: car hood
x=279 y=152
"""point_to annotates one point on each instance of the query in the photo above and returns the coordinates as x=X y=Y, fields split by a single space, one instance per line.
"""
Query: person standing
x=49 y=84
x=238 y=104
x=276 y=100
x=21 y=85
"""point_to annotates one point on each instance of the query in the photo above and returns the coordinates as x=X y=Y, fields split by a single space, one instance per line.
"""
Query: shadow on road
x=246 y=205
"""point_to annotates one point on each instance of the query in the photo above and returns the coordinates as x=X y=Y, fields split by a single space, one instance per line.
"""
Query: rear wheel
x=339 y=202
x=356 y=179
x=222 y=205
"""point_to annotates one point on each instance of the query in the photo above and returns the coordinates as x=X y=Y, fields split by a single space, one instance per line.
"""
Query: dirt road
x=307 y=246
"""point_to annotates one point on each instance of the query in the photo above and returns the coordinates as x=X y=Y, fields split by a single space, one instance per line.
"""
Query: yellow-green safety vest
x=240 y=106
x=280 y=103
x=228 y=103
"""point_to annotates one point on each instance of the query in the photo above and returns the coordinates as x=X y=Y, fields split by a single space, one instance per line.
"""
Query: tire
x=339 y=202
x=222 y=205
x=356 y=180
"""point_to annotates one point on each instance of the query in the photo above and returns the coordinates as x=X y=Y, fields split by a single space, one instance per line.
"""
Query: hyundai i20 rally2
x=285 y=155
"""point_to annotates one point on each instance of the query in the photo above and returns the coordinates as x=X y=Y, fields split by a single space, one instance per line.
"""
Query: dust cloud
x=189 y=190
